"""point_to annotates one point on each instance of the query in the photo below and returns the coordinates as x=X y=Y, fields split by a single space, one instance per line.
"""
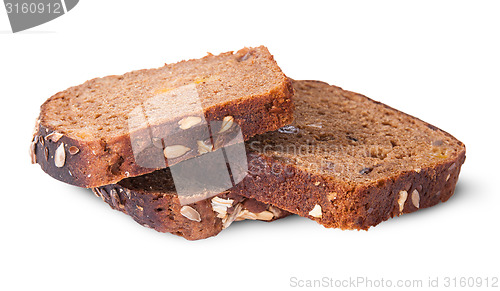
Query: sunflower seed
x=316 y=211
x=229 y=219
x=54 y=136
x=245 y=214
x=265 y=215
x=227 y=122
x=96 y=192
x=402 y=199
x=115 y=199
x=274 y=210
x=189 y=122
x=33 y=152
x=60 y=156
x=220 y=206
x=104 y=194
x=225 y=202
x=190 y=213
x=415 y=198
x=175 y=151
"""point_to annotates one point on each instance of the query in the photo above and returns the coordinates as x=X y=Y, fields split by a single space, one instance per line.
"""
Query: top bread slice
x=350 y=162
x=114 y=127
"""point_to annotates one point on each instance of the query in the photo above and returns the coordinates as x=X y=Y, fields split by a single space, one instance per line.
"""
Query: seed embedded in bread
x=115 y=199
x=60 y=156
x=221 y=205
x=189 y=122
x=175 y=151
x=245 y=214
x=415 y=198
x=226 y=222
x=265 y=215
x=190 y=213
x=96 y=192
x=104 y=194
x=33 y=152
x=54 y=136
x=223 y=202
x=402 y=199
x=316 y=211
x=227 y=122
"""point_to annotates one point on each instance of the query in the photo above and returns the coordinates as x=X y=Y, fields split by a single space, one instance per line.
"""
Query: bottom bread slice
x=151 y=200
x=350 y=162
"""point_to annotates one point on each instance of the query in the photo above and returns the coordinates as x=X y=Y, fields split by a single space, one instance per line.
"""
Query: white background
x=438 y=60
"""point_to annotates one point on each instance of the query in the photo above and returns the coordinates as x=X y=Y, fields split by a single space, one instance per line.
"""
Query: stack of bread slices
x=191 y=147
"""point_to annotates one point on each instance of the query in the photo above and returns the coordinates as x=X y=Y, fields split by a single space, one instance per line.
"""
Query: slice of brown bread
x=347 y=161
x=151 y=200
x=350 y=162
x=114 y=127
